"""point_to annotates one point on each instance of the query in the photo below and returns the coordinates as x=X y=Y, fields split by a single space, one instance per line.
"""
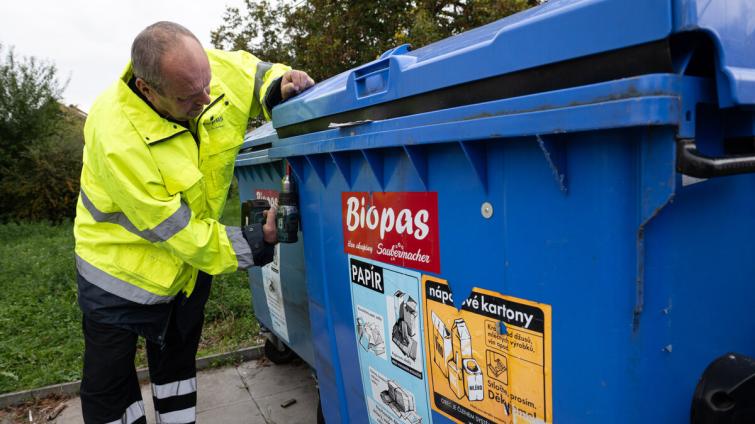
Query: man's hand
x=269 y=229
x=294 y=82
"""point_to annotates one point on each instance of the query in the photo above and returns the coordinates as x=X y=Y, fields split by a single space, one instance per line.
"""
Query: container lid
x=730 y=24
x=558 y=44
x=260 y=136
x=553 y=32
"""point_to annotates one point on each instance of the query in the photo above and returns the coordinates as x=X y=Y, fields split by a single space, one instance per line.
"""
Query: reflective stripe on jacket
x=152 y=190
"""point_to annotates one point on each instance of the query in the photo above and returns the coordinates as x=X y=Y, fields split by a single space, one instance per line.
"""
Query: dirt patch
x=34 y=411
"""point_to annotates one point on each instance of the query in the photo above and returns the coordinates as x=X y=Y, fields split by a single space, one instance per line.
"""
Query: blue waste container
x=549 y=218
x=279 y=289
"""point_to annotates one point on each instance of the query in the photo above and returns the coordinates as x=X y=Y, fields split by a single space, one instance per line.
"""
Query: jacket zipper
x=214 y=102
x=199 y=121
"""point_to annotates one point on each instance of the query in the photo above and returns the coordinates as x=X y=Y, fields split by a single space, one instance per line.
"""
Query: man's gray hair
x=149 y=47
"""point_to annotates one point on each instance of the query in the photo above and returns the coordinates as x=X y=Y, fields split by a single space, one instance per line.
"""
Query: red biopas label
x=270 y=195
x=400 y=228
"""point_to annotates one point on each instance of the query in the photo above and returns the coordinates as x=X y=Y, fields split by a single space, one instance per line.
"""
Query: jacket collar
x=151 y=127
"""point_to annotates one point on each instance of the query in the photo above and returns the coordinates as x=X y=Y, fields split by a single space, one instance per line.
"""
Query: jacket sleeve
x=256 y=78
x=134 y=184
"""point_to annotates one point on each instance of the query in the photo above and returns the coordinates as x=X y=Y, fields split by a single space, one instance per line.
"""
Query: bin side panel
x=699 y=289
x=264 y=176
x=323 y=305
x=574 y=250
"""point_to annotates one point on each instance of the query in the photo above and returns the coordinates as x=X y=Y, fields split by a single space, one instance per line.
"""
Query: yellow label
x=489 y=362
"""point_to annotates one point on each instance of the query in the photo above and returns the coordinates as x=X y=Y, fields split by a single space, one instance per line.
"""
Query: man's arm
x=271 y=83
x=133 y=182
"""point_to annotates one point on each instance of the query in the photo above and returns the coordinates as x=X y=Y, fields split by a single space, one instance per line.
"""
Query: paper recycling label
x=490 y=362
x=387 y=307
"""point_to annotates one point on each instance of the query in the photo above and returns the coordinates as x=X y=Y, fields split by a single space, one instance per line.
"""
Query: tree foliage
x=40 y=142
x=29 y=93
x=326 y=37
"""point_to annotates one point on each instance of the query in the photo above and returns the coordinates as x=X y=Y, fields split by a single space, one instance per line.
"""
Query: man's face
x=183 y=103
x=186 y=82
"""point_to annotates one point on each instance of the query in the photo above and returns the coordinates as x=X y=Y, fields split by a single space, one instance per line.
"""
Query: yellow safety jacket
x=152 y=190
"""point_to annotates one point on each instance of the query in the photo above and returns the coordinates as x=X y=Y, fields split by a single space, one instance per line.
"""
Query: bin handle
x=690 y=162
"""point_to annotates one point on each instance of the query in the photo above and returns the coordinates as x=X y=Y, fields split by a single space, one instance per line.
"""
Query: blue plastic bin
x=279 y=290
x=497 y=229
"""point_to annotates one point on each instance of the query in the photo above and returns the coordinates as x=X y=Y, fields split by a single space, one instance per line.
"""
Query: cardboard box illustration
x=473 y=380
x=442 y=349
x=456 y=379
x=452 y=354
x=401 y=402
x=462 y=341
x=405 y=328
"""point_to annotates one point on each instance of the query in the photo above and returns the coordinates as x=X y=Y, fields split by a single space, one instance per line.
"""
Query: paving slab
x=303 y=411
x=251 y=393
x=219 y=387
x=245 y=412
x=264 y=378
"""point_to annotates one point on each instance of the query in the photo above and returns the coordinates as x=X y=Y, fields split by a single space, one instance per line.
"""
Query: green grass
x=41 y=340
x=40 y=322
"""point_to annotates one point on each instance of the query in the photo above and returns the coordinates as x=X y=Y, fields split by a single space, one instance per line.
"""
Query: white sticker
x=271 y=280
x=387 y=304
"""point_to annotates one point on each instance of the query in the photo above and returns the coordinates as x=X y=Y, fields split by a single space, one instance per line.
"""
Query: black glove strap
x=273 y=97
x=262 y=251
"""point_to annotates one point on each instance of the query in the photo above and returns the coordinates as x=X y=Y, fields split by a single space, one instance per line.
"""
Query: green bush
x=43 y=184
x=40 y=142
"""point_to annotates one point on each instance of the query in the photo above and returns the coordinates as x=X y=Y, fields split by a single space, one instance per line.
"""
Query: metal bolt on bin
x=549 y=218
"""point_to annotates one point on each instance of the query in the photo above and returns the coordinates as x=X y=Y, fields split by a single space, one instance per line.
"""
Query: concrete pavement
x=251 y=393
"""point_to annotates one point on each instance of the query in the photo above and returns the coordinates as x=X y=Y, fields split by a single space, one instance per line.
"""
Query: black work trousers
x=110 y=389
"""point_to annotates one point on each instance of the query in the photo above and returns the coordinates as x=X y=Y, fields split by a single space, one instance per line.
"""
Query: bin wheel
x=278 y=356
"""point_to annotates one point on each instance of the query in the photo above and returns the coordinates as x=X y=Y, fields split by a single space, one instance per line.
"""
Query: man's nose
x=204 y=99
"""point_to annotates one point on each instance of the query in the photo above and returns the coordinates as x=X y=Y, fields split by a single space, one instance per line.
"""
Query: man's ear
x=144 y=88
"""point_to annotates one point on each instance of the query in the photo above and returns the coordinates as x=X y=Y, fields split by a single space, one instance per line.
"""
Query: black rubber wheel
x=277 y=356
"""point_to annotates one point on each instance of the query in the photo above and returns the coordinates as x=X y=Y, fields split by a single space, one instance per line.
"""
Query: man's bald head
x=172 y=70
x=153 y=45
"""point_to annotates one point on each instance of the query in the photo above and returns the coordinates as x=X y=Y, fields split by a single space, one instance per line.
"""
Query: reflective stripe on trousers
x=133 y=413
x=175 y=402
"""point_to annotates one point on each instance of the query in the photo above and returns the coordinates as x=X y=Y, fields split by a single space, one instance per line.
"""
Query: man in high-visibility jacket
x=160 y=146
